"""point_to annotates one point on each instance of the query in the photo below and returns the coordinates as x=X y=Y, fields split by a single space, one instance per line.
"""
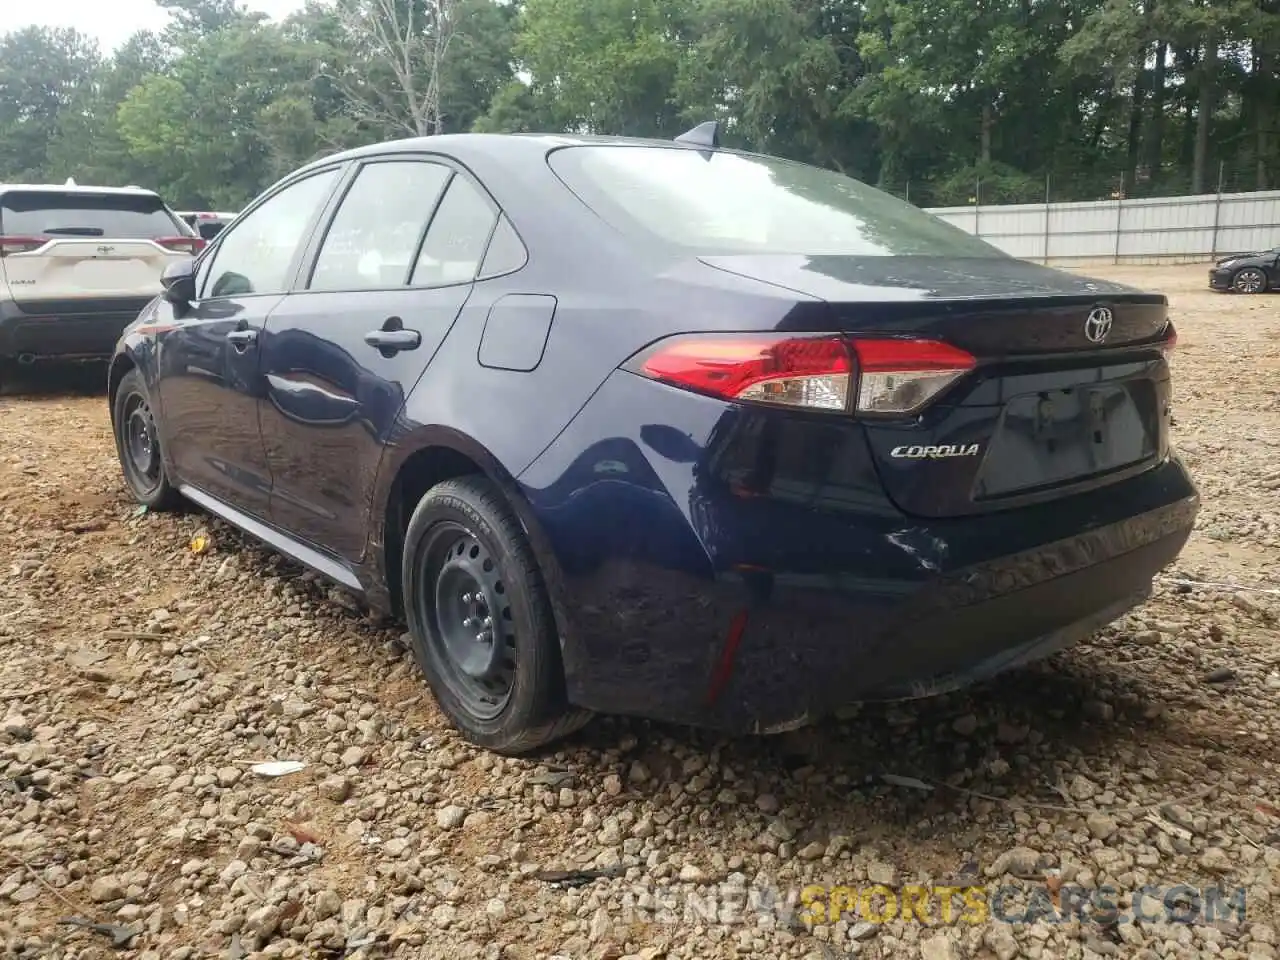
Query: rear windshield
x=733 y=203
x=119 y=216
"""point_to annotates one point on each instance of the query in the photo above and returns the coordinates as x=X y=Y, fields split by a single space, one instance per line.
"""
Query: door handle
x=393 y=340
x=242 y=338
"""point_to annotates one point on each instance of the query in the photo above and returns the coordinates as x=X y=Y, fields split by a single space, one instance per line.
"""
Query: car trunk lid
x=1069 y=391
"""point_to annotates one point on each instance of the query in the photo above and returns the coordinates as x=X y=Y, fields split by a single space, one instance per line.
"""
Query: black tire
x=503 y=689
x=144 y=472
x=1249 y=280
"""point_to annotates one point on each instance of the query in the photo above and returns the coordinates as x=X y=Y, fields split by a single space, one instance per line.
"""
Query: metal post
x=1119 y=215
x=1217 y=212
x=1046 y=219
x=908 y=198
x=977 y=206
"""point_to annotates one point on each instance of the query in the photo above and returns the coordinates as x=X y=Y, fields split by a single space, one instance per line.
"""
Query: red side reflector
x=724 y=667
x=191 y=245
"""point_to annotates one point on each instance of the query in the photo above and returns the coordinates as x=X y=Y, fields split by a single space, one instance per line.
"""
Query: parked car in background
x=1247 y=272
x=207 y=225
x=659 y=428
x=77 y=264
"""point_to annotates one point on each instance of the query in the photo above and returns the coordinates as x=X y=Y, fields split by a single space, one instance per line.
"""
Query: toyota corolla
x=660 y=428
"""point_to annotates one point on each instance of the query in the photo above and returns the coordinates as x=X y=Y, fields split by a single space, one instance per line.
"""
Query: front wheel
x=1249 y=280
x=138 y=445
x=481 y=622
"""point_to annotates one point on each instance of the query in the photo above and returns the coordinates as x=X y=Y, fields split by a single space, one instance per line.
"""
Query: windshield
x=38 y=213
x=733 y=203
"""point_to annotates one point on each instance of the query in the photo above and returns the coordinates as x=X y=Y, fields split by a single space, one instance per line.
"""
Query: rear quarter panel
x=612 y=298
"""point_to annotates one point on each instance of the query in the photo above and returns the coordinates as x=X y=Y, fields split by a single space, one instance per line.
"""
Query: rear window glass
x=119 y=216
x=732 y=203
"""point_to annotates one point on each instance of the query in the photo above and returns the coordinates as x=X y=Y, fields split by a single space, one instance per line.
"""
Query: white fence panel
x=1151 y=230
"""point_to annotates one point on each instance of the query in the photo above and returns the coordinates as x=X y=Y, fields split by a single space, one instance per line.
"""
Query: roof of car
x=493 y=144
x=74 y=188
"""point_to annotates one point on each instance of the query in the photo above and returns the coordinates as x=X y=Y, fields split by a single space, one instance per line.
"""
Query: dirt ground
x=140 y=679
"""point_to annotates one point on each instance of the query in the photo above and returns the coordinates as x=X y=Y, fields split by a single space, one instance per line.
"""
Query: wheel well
x=119 y=369
x=422 y=471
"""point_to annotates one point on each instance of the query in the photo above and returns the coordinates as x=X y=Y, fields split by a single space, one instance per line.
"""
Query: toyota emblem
x=1098 y=325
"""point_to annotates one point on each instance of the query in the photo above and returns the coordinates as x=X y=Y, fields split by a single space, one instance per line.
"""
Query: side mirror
x=179 y=281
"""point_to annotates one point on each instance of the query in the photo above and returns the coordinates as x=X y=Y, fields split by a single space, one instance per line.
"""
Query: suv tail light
x=191 y=245
x=10 y=245
x=888 y=376
x=1170 y=340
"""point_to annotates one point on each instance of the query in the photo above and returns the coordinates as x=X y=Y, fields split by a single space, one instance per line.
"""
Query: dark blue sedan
x=660 y=428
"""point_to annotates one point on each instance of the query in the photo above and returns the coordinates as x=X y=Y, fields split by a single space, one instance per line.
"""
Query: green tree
x=601 y=66
x=86 y=143
x=229 y=116
x=41 y=68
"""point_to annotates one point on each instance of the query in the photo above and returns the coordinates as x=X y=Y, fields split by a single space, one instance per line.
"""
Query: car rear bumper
x=680 y=598
x=65 y=330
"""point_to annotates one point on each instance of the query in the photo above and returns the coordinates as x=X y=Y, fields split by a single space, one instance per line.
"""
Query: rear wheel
x=138 y=445
x=481 y=622
x=1249 y=280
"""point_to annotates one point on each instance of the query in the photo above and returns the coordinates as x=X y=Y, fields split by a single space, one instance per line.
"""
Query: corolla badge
x=941 y=451
x=1098 y=324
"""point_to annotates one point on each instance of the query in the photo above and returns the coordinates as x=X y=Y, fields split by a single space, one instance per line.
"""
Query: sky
x=111 y=21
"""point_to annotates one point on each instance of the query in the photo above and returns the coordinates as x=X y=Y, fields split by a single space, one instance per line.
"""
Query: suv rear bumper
x=65 y=329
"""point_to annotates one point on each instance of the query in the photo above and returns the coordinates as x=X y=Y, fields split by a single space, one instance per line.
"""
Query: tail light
x=1170 y=340
x=901 y=376
x=189 y=245
x=868 y=375
x=798 y=372
x=10 y=245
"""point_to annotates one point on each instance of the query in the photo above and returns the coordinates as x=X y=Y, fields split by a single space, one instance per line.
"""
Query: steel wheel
x=471 y=628
x=1249 y=280
x=141 y=447
x=138 y=444
x=480 y=620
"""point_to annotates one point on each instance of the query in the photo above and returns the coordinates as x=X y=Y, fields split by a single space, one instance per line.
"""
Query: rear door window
x=457 y=238
x=506 y=253
x=372 y=239
x=119 y=216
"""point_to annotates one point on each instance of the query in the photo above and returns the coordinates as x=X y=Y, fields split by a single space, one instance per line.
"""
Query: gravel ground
x=140 y=679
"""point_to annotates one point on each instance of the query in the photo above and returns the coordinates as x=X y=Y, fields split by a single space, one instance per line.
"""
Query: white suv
x=78 y=264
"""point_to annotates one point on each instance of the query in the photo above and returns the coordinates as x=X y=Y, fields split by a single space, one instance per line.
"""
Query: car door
x=208 y=363
x=389 y=276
